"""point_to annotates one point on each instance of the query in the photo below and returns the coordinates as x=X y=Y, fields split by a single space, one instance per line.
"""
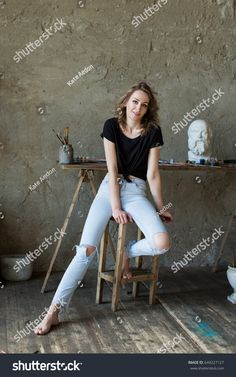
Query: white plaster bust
x=199 y=140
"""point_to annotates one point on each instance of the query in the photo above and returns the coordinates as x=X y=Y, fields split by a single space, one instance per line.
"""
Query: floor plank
x=191 y=305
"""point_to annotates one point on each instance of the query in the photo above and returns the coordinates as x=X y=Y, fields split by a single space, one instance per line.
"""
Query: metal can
x=65 y=154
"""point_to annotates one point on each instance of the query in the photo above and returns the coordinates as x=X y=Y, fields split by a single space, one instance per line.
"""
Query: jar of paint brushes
x=66 y=150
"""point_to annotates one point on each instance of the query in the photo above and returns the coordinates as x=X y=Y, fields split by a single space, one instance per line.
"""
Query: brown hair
x=150 y=118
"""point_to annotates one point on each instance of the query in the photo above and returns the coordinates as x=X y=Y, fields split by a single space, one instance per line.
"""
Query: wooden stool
x=114 y=276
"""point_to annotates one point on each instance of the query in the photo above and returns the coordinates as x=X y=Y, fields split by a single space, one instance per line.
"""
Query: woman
x=132 y=144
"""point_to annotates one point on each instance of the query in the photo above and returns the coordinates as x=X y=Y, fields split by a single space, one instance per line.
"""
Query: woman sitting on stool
x=132 y=143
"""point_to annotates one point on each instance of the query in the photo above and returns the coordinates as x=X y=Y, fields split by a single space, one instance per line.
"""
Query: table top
x=175 y=166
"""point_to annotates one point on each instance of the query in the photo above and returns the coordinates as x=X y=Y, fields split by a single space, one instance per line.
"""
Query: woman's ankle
x=54 y=310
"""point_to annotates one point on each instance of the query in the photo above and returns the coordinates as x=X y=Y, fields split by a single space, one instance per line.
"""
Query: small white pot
x=231 y=275
x=9 y=271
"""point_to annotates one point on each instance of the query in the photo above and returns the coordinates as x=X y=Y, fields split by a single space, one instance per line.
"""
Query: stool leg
x=118 y=266
x=102 y=265
x=138 y=264
x=153 y=284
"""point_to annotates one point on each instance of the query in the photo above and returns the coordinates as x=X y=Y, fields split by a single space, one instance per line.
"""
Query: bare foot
x=126 y=273
x=51 y=319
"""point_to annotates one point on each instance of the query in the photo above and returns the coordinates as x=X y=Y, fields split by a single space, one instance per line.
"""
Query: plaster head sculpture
x=199 y=140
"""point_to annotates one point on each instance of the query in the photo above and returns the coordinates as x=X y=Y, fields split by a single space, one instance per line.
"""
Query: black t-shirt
x=132 y=154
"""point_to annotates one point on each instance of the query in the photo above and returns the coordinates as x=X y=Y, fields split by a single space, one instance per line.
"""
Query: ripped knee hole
x=90 y=250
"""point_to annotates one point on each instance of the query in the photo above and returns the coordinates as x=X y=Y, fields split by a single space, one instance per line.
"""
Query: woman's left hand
x=166 y=217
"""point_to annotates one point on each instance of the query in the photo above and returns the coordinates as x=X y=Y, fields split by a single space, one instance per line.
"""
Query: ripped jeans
x=133 y=200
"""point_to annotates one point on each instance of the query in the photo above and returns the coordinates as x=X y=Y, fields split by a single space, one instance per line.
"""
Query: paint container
x=65 y=154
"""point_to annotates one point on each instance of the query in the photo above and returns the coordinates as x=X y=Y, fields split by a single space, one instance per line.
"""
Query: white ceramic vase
x=231 y=275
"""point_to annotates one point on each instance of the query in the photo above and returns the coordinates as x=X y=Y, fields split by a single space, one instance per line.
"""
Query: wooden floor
x=191 y=303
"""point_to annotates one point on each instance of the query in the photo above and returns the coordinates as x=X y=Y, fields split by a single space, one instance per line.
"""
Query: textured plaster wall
x=186 y=50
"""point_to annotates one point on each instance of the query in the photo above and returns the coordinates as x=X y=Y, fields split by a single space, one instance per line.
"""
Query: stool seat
x=114 y=276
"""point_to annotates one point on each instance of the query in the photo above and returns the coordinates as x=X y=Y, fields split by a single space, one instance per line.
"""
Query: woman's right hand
x=122 y=217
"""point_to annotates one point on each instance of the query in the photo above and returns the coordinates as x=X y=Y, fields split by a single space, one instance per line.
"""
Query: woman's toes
x=42 y=331
x=127 y=274
x=38 y=330
x=46 y=325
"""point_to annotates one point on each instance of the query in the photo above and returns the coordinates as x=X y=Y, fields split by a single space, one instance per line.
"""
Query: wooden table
x=101 y=166
x=86 y=174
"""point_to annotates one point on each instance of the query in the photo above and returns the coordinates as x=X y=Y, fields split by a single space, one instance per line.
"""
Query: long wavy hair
x=150 y=118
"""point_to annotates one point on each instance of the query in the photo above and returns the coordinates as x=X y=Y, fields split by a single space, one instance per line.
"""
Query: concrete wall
x=185 y=50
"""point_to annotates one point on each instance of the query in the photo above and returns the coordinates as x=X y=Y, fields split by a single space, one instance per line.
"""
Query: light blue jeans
x=133 y=200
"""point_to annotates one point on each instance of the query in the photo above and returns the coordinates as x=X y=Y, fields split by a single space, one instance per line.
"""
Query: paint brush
x=66 y=135
x=58 y=136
